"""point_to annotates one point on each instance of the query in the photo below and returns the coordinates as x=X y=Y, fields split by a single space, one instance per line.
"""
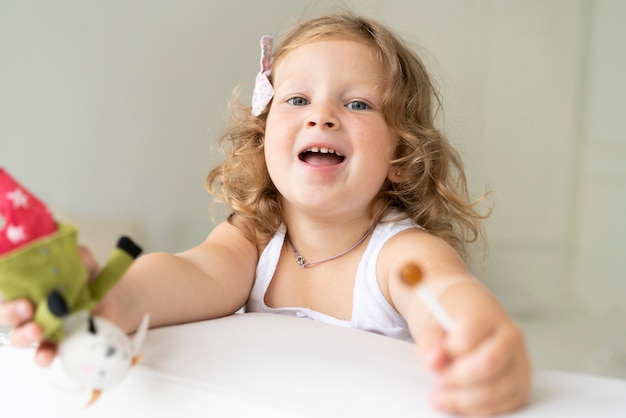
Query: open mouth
x=321 y=156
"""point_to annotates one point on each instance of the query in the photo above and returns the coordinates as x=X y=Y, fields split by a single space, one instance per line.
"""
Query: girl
x=336 y=180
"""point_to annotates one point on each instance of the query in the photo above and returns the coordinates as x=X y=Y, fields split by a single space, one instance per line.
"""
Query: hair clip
x=263 y=90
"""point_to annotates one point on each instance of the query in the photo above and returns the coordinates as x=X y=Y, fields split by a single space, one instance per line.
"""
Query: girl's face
x=327 y=145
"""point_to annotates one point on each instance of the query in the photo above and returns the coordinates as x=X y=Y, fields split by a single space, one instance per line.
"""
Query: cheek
x=272 y=160
x=275 y=147
x=274 y=133
x=378 y=150
x=379 y=153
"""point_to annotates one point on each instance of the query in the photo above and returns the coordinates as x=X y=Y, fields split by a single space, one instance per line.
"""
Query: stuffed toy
x=98 y=354
x=40 y=261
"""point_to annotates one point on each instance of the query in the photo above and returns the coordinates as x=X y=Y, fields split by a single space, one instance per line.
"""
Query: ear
x=396 y=174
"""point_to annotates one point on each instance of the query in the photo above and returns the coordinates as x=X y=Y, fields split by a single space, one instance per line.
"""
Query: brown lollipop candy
x=411 y=274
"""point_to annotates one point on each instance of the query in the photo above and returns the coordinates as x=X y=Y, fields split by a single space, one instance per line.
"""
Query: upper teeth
x=323 y=150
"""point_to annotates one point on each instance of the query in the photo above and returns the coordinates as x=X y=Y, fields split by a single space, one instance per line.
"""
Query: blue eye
x=357 y=105
x=298 y=101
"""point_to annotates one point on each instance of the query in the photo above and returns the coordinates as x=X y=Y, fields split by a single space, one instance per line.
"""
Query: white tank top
x=370 y=309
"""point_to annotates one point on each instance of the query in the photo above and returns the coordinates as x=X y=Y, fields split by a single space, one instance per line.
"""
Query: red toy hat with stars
x=23 y=217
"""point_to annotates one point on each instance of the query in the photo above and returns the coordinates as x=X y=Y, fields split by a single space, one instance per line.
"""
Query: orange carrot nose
x=95 y=394
x=411 y=274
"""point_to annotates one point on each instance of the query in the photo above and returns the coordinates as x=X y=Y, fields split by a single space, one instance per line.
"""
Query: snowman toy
x=97 y=354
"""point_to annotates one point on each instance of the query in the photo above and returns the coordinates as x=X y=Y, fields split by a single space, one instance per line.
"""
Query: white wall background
x=109 y=111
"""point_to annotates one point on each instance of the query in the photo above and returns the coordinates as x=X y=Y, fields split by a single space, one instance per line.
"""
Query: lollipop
x=411 y=275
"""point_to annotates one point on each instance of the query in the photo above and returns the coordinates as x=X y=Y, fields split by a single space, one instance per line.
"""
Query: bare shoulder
x=440 y=263
x=233 y=234
x=431 y=253
x=229 y=251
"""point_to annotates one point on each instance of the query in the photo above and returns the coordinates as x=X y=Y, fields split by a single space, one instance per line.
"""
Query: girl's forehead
x=320 y=54
x=329 y=43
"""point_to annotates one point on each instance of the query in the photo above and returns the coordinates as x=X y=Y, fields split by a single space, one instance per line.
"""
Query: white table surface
x=265 y=365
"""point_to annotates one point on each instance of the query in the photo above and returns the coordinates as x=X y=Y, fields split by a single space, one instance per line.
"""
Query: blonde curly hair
x=431 y=187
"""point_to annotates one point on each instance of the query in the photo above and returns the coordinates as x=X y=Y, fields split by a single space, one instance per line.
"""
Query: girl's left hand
x=481 y=367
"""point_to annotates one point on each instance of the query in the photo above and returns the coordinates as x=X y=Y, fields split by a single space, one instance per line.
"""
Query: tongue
x=316 y=158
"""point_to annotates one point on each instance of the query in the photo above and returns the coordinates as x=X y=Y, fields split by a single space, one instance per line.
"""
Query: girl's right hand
x=17 y=315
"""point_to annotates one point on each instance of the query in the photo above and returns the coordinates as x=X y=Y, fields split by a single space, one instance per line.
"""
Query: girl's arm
x=482 y=365
x=211 y=280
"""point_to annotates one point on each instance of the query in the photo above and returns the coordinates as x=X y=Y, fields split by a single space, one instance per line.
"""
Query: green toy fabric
x=50 y=272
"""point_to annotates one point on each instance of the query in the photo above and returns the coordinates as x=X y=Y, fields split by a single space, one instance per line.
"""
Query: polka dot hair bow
x=263 y=90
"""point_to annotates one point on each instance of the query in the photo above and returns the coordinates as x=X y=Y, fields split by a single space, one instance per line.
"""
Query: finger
x=26 y=335
x=89 y=261
x=490 y=360
x=46 y=352
x=15 y=312
x=431 y=347
x=467 y=334
x=502 y=395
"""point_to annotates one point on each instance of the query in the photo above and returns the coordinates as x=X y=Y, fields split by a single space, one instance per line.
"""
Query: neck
x=304 y=263
x=316 y=240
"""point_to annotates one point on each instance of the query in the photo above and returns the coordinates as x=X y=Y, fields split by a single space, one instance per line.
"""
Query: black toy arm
x=121 y=258
x=128 y=245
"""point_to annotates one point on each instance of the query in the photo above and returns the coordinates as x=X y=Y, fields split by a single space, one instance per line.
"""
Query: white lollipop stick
x=411 y=275
x=435 y=307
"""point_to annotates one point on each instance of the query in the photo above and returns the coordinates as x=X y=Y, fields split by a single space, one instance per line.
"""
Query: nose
x=328 y=124
x=323 y=117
